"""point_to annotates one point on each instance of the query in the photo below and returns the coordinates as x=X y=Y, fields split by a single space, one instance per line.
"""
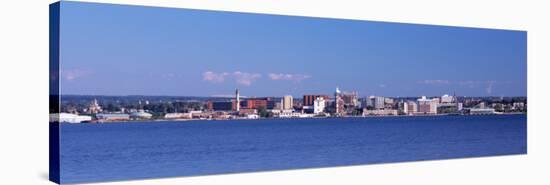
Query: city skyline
x=123 y=50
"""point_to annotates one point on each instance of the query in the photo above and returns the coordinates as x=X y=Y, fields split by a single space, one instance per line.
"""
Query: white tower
x=337 y=104
x=238 y=105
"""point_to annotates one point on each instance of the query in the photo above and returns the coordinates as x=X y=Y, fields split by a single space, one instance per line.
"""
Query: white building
x=368 y=102
x=178 y=116
x=410 y=107
x=380 y=112
x=252 y=116
x=319 y=105
x=379 y=102
x=69 y=118
x=140 y=115
x=482 y=111
x=481 y=105
x=447 y=99
x=287 y=102
x=427 y=106
x=388 y=101
x=113 y=117
x=291 y=114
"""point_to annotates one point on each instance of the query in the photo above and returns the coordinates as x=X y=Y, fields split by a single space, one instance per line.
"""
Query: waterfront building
x=113 y=117
x=381 y=112
x=281 y=113
x=478 y=111
x=248 y=111
x=178 y=116
x=221 y=115
x=368 y=102
x=279 y=105
x=309 y=99
x=210 y=105
x=307 y=109
x=427 y=106
x=319 y=105
x=481 y=105
x=379 y=102
x=291 y=114
x=447 y=99
x=140 y=115
x=437 y=100
x=388 y=101
x=410 y=107
x=252 y=116
x=68 y=118
x=518 y=106
x=350 y=98
x=221 y=106
x=287 y=102
x=254 y=103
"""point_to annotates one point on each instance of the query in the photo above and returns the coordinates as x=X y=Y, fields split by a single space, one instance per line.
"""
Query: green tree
x=262 y=112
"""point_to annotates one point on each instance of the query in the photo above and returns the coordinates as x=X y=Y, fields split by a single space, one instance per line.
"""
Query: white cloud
x=242 y=78
x=214 y=77
x=435 y=82
x=473 y=83
x=290 y=77
x=74 y=74
x=245 y=78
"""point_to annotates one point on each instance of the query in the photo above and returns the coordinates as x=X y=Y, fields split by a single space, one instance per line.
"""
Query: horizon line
x=214 y=96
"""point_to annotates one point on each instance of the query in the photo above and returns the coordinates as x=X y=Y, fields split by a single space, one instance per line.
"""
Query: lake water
x=138 y=150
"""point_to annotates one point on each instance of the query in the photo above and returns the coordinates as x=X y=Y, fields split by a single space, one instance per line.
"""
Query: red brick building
x=254 y=103
x=309 y=99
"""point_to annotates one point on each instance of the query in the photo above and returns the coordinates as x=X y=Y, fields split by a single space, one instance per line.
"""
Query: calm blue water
x=106 y=152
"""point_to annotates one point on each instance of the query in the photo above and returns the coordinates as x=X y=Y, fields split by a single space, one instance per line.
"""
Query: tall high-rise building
x=287 y=102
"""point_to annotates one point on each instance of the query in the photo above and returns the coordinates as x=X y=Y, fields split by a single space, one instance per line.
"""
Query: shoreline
x=152 y=121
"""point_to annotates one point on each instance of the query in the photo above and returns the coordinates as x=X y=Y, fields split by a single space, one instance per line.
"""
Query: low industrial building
x=140 y=115
x=479 y=111
x=382 y=112
x=178 y=116
x=113 y=117
x=69 y=118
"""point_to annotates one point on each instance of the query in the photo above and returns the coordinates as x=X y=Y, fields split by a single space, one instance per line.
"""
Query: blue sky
x=134 y=50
